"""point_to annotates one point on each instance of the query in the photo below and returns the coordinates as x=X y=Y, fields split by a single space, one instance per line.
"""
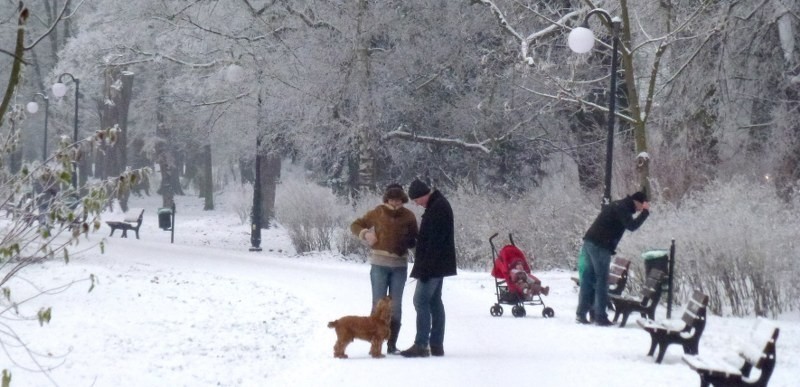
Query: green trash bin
x=165 y=218
x=657 y=259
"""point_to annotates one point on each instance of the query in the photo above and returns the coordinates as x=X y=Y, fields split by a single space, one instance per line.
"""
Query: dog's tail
x=333 y=324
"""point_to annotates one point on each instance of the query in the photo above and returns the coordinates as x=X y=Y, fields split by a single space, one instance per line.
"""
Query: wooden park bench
x=751 y=364
x=686 y=331
x=131 y=220
x=646 y=305
x=617 y=275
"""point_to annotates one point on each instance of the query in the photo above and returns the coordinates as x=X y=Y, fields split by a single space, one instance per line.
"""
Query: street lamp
x=255 y=230
x=59 y=90
x=581 y=40
x=32 y=108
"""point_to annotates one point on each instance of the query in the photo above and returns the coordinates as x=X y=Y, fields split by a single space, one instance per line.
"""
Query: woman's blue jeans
x=392 y=281
x=430 y=312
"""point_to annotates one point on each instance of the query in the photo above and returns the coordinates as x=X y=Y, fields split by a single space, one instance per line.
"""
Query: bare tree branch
x=153 y=57
x=55 y=23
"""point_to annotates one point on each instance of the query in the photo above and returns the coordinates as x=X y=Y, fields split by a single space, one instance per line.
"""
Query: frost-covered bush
x=735 y=240
x=311 y=213
x=242 y=201
x=547 y=224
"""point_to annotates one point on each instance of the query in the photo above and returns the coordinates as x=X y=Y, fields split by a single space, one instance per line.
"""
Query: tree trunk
x=114 y=113
x=16 y=66
x=15 y=158
x=366 y=159
x=166 y=163
x=208 y=181
x=270 y=176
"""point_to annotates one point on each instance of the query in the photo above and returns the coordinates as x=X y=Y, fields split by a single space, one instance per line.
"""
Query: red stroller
x=507 y=290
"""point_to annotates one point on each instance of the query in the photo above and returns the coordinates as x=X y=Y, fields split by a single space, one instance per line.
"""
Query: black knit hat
x=395 y=191
x=640 y=197
x=418 y=189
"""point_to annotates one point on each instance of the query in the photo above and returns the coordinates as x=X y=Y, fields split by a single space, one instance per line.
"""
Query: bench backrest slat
x=618 y=274
x=696 y=309
x=652 y=286
x=761 y=343
x=133 y=215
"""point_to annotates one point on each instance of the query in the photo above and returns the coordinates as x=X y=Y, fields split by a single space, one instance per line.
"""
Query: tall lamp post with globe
x=581 y=40
x=32 y=108
x=59 y=90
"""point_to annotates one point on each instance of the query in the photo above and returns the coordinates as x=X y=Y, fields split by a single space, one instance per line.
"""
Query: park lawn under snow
x=205 y=311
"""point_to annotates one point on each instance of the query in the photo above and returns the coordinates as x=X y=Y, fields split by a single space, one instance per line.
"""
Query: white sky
x=206 y=312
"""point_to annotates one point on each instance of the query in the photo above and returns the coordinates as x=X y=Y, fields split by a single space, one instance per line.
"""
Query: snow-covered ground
x=205 y=311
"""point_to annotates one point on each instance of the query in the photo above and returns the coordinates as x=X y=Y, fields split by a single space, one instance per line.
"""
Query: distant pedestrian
x=599 y=244
x=434 y=259
x=390 y=230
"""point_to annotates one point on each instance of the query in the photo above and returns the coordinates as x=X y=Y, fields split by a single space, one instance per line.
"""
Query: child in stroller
x=526 y=281
x=514 y=283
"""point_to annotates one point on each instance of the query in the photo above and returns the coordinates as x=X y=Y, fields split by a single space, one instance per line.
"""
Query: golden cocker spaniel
x=374 y=329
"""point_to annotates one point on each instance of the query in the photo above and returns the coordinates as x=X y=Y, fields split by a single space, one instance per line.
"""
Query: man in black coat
x=599 y=244
x=434 y=259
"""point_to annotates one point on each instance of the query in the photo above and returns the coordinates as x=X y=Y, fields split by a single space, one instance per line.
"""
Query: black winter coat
x=435 y=255
x=614 y=219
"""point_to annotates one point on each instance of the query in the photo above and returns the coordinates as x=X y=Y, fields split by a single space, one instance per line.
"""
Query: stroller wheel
x=496 y=310
x=518 y=311
x=548 y=312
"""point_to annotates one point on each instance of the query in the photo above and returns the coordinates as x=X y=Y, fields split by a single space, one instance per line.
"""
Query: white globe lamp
x=59 y=89
x=581 y=40
x=32 y=107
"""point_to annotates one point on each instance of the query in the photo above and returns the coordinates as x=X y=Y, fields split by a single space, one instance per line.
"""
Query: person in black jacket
x=599 y=244
x=434 y=259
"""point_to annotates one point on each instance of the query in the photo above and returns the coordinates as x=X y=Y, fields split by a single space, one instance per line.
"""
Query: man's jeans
x=594 y=282
x=430 y=312
x=393 y=280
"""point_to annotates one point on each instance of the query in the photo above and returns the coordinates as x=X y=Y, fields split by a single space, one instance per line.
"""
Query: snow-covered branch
x=554 y=27
x=224 y=35
x=569 y=97
x=403 y=135
x=154 y=57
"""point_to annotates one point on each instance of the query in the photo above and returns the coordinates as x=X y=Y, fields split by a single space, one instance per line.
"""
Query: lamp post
x=32 y=108
x=581 y=40
x=59 y=90
x=255 y=231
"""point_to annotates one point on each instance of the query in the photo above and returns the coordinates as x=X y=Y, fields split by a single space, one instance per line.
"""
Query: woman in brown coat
x=390 y=230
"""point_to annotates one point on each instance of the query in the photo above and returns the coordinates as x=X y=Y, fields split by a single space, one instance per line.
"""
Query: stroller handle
x=494 y=250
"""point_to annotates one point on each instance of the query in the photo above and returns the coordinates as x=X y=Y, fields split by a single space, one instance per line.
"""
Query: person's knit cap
x=640 y=197
x=395 y=191
x=418 y=189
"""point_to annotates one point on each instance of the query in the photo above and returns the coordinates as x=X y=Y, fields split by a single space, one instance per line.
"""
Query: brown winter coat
x=395 y=229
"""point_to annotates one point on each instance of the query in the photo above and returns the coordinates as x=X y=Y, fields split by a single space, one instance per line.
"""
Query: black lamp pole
x=612 y=95
x=75 y=127
x=255 y=231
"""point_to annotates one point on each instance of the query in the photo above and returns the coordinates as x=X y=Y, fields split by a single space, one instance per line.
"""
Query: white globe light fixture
x=32 y=107
x=581 y=40
x=59 y=89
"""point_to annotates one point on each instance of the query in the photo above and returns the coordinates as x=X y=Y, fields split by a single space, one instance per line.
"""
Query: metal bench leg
x=662 y=350
x=124 y=233
x=653 y=345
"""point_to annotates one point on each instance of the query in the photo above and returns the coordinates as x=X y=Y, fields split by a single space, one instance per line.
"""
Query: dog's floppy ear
x=384 y=309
